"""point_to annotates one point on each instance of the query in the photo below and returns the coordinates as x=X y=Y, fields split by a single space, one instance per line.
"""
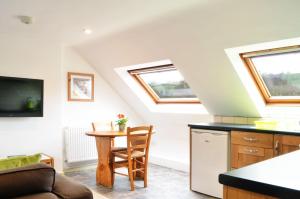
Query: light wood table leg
x=104 y=173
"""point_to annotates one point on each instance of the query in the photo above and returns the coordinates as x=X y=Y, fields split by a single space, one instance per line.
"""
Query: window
x=276 y=73
x=164 y=84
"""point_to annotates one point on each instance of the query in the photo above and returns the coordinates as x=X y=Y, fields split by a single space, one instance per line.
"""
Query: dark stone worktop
x=242 y=127
x=278 y=177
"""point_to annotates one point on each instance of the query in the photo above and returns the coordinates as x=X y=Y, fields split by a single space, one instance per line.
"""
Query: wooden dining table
x=104 y=172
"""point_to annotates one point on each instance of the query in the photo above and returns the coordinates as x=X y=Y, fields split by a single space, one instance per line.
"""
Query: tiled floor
x=163 y=183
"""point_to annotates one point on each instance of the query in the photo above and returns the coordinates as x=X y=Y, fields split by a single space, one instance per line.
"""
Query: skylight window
x=276 y=73
x=164 y=84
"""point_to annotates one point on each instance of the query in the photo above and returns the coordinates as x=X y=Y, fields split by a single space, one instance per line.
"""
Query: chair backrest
x=138 y=139
x=103 y=126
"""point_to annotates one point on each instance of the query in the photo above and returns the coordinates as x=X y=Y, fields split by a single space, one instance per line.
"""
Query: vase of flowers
x=121 y=122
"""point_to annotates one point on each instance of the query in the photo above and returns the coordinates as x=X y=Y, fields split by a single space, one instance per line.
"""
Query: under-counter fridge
x=209 y=158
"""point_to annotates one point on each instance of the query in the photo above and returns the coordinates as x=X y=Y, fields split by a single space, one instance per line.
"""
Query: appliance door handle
x=219 y=134
x=209 y=133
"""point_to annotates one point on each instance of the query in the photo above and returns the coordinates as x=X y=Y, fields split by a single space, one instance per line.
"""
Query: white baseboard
x=76 y=165
x=177 y=165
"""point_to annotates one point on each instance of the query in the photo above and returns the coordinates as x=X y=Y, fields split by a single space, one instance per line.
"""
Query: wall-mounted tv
x=20 y=97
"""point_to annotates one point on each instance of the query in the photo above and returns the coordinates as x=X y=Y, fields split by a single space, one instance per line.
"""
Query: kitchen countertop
x=277 y=177
x=242 y=127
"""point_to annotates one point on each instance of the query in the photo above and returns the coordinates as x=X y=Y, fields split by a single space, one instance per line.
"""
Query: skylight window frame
x=257 y=78
x=135 y=73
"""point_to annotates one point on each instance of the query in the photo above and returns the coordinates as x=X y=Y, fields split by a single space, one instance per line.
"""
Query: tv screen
x=20 y=97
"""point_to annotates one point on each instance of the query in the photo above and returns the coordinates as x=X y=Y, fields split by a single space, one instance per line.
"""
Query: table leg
x=104 y=173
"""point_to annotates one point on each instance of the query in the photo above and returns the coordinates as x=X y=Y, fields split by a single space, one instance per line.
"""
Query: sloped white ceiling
x=64 y=20
x=194 y=39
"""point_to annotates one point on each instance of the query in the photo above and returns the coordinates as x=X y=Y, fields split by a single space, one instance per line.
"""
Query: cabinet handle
x=250 y=139
x=251 y=150
x=276 y=147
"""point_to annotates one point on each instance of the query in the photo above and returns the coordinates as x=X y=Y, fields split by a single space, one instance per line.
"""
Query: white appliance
x=209 y=158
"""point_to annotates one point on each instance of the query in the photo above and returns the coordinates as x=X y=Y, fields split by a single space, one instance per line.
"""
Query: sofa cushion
x=19 y=161
x=27 y=180
x=39 y=196
x=68 y=189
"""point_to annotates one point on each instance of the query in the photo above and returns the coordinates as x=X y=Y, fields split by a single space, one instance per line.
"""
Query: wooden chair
x=107 y=126
x=136 y=156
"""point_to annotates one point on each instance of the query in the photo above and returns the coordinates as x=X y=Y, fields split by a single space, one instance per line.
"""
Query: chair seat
x=134 y=154
x=115 y=149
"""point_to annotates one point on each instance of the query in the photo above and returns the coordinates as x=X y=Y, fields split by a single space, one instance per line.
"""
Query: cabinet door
x=245 y=155
x=285 y=144
x=234 y=193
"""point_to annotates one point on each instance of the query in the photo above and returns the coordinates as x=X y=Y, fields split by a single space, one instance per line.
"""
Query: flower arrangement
x=121 y=122
x=122 y=119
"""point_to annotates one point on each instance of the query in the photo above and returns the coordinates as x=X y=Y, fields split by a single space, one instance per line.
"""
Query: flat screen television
x=21 y=97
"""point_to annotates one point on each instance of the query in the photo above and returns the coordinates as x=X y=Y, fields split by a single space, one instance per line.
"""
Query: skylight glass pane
x=280 y=73
x=168 y=84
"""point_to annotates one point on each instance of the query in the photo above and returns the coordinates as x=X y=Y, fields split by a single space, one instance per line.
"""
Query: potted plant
x=121 y=122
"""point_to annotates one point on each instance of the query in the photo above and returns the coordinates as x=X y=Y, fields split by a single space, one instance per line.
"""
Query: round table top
x=111 y=133
x=106 y=133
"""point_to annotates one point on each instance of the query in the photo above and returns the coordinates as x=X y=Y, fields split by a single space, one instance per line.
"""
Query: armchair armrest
x=68 y=189
x=26 y=180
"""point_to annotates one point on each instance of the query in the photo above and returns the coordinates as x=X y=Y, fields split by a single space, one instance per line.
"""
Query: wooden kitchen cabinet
x=248 y=148
x=285 y=144
x=244 y=155
x=234 y=193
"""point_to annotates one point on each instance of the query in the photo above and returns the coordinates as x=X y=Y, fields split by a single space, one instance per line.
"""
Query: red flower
x=121 y=119
x=120 y=116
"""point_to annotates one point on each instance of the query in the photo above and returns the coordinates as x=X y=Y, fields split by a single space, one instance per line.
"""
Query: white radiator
x=78 y=146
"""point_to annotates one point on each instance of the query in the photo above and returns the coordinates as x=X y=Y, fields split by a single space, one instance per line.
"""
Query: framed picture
x=80 y=87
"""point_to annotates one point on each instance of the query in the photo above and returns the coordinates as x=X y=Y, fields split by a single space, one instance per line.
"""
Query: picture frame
x=80 y=87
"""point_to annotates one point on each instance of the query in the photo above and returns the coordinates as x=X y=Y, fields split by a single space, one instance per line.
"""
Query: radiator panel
x=78 y=146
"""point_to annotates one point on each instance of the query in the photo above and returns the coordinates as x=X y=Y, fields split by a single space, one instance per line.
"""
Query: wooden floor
x=164 y=183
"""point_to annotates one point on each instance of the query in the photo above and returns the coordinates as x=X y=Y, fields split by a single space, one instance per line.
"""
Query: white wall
x=170 y=144
x=47 y=60
x=33 y=58
x=107 y=103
